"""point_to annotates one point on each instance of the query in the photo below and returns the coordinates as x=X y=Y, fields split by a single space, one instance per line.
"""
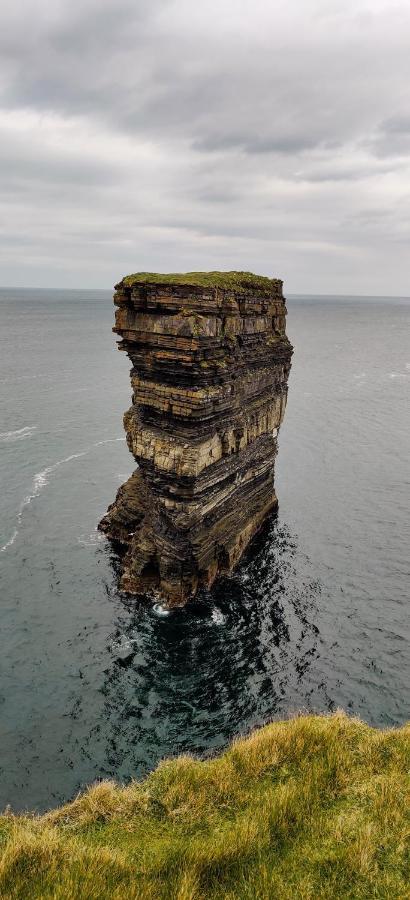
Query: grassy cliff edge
x=314 y=807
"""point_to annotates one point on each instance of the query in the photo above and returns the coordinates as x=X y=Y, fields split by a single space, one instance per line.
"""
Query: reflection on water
x=240 y=654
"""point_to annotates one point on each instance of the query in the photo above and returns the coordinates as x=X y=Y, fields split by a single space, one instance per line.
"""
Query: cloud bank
x=169 y=135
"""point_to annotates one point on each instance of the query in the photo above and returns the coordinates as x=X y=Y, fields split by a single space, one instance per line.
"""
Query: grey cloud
x=223 y=137
x=353 y=172
x=391 y=145
x=20 y=169
x=396 y=125
x=116 y=62
x=392 y=137
x=92 y=28
x=252 y=144
x=215 y=196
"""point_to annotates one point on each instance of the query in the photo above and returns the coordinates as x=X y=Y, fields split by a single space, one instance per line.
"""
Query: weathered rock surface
x=210 y=366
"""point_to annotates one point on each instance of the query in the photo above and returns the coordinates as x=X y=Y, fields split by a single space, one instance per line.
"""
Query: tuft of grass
x=315 y=807
x=244 y=282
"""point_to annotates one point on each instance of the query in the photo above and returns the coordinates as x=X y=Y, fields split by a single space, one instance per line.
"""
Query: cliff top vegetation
x=315 y=807
x=245 y=282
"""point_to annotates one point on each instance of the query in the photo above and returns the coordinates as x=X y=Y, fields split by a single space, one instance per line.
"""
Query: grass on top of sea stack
x=243 y=282
x=315 y=807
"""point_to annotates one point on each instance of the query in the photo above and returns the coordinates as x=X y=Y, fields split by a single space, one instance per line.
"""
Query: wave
x=41 y=479
x=18 y=434
x=108 y=441
x=10 y=542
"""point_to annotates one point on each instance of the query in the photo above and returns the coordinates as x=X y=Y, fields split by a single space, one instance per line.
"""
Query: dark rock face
x=210 y=367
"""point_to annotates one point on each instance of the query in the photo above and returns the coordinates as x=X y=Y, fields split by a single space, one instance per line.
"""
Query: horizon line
x=10 y=287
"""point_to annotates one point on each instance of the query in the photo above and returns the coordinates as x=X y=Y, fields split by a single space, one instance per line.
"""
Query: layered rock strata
x=210 y=363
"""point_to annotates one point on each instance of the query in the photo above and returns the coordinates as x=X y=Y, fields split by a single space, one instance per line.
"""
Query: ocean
x=94 y=685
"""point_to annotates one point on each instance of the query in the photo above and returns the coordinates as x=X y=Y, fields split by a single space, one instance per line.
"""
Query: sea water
x=95 y=685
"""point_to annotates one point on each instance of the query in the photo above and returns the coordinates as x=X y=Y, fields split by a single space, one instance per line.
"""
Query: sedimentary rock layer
x=210 y=366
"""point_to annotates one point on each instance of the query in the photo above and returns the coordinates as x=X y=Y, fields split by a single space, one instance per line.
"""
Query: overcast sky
x=173 y=135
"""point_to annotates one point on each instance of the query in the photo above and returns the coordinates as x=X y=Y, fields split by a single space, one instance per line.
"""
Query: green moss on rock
x=243 y=282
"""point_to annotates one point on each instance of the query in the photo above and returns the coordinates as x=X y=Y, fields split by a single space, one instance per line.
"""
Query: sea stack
x=210 y=362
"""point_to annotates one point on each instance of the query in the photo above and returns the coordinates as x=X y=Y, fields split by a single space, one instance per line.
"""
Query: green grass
x=245 y=282
x=316 y=807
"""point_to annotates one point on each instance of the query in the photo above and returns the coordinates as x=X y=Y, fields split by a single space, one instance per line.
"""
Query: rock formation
x=210 y=363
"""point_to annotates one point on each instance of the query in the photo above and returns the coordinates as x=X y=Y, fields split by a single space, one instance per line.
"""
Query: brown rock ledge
x=210 y=363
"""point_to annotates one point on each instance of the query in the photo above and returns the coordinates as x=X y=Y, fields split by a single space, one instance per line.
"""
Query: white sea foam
x=17 y=435
x=108 y=441
x=160 y=610
x=217 y=616
x=123 y=643
x=41 y=479
x=10 y=542
x=90 y=540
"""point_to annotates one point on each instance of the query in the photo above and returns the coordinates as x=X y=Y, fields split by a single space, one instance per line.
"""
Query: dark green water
x=315 y=618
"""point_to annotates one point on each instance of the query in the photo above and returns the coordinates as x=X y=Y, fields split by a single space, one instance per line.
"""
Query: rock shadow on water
x=239 y=655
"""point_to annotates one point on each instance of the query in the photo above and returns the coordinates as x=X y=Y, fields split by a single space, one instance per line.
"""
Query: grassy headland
x=316 y=807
